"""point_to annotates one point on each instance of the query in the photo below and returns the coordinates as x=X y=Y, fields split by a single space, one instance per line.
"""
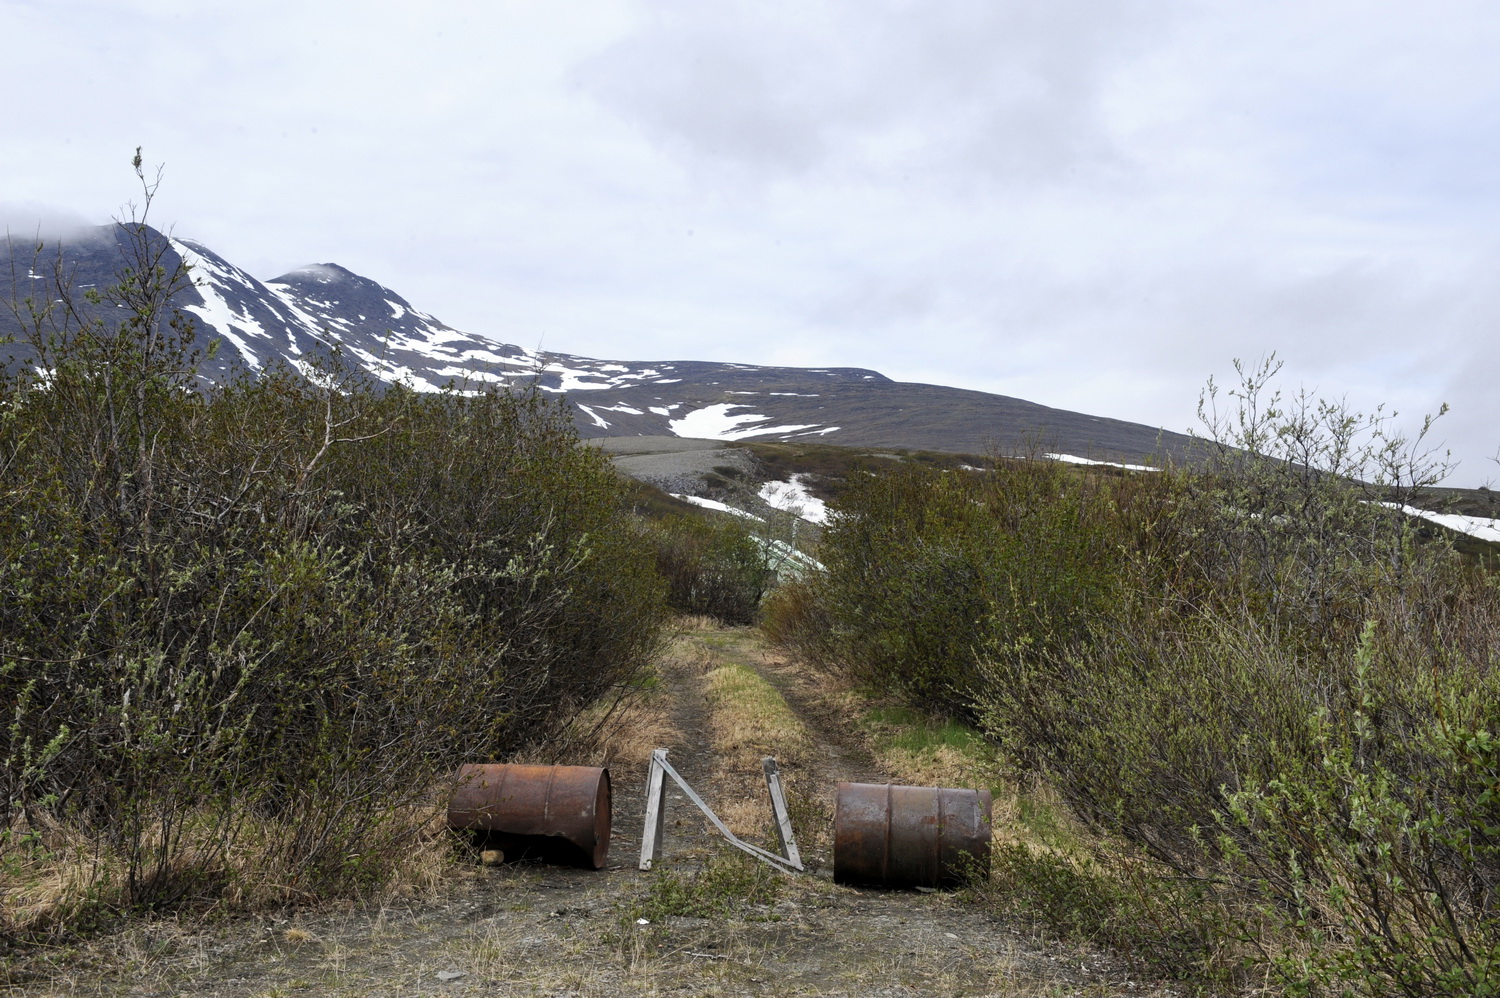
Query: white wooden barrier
x=656 y=813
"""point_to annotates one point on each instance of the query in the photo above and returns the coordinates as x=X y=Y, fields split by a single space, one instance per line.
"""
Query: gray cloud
x=1005 y=90
x=23 y=222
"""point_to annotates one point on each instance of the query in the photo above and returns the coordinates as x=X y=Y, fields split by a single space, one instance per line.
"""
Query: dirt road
x=536 y=930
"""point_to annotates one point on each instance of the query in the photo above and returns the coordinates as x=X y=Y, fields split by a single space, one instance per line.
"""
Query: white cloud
x=23 y=222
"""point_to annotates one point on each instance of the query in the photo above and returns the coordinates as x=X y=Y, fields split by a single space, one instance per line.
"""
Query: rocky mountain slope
x=303 y=314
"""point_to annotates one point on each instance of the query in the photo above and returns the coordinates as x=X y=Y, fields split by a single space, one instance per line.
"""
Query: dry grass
x=628 y=734
x=695 y=623
x=689 y=653
x=937 y=766
x=750 y=718
x=58 y=871
x=54 y=870
x=750 y=721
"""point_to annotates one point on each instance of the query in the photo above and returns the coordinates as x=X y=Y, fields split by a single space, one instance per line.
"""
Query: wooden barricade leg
x=656 y=809
x=779 y=811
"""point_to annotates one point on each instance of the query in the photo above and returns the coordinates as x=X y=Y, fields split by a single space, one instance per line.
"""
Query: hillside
x=296 y=317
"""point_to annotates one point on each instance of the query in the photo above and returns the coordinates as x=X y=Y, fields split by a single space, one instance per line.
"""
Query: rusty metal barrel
x=893 y=836
x=556 y=812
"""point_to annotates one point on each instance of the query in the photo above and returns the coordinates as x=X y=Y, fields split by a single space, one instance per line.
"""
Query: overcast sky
x=1092 y=205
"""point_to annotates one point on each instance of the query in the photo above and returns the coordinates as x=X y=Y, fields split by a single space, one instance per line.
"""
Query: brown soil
x=519 y=929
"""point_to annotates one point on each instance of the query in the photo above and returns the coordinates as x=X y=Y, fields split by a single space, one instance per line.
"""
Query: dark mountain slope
x=303 y=314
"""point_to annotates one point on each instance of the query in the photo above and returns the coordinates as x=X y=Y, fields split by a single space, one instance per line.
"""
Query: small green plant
x=732 y=884
x=1168 y=924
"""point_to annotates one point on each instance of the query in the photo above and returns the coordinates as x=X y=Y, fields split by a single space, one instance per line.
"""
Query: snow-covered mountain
x=300 y=315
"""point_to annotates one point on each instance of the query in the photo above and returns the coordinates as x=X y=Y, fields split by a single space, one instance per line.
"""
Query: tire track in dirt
x=842 y=751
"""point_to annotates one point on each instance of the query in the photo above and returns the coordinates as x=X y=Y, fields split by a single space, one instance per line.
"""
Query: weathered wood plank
x=780 y=813
x=656 y=809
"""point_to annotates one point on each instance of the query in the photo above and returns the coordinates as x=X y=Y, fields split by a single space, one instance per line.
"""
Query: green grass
x=919 y=745
x=924 y=750
x=916 y=732
x=1048 y=824
x=731 y=884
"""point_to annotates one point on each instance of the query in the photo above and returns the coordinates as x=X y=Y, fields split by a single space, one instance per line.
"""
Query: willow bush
x=929 y=571
x=246 y=630
x=714 y=566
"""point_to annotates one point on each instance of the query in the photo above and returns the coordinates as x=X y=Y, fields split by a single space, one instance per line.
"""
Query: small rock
x=643 y=921
x=492 y=857
x=449 y=975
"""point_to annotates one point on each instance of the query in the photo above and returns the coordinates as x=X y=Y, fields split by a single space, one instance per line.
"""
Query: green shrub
x=1380 y=849
x=930 y=571
x=1342 y=807
x=1293 y=708
x=793 y=615
x=712 y=566
x=1269 y=689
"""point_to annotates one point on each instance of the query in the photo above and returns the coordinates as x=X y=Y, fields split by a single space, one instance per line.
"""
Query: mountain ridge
x=320 y=307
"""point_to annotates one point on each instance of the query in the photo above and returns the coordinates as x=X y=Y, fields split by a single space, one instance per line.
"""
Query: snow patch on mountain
x=716 y=422
x=713 y=504
x=1071 y=459
x=216 y=312
x=571 y=380
x=1475 y=526
x=467 y=374
x=599 y=420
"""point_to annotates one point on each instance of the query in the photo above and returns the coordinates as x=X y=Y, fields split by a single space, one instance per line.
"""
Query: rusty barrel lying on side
x=892 y=836
x=534 y=809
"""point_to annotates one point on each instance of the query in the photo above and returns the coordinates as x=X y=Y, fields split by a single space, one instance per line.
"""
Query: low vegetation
x=922 y=750
x=713 y=566
x=751 y=717
x=1269 y=700
x=730 y=883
